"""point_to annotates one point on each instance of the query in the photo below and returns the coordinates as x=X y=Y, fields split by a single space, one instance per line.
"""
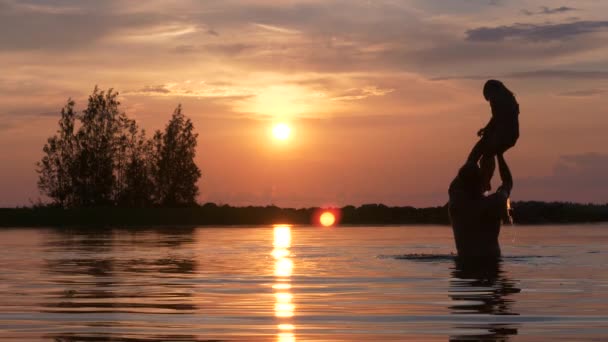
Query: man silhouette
x=476 y=218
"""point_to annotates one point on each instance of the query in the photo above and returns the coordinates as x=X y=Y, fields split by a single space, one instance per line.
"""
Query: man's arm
x=495 y=205
x=505 y=175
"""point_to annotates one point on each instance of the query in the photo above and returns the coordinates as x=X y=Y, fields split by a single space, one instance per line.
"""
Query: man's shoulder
x=495 y=203
x=500 y=192
x=498 y=196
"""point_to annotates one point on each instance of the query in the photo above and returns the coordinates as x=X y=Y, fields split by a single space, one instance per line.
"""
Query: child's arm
x=488 y=127
x=490 y=124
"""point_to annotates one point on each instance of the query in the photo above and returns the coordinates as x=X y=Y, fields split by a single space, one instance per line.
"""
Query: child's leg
x=487 y=166
x=477 y=151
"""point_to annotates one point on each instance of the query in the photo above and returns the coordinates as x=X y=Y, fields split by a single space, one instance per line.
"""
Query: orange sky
x=383 y=97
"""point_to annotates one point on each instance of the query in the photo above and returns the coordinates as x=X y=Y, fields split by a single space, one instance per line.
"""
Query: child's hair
x=496 y=87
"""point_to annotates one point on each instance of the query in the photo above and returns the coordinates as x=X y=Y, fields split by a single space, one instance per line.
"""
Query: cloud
x=549 y=10
x=185 y=49
x=155 y=89
x=48 y=9
x=562 y=9
x=583 y=93
x=535 y=32
x=361 y=93
x=331 y=37
x=155 y=33
x=194 y=89
x=53 y=27
x=577 y=177
x=14 y=119
x=563 y=74
x=229 y=49
x=543 y=73
x=275 y=28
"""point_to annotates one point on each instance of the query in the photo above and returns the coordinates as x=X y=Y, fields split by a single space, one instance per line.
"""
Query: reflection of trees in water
x=482 y=287
x=159 y=338
x=102 y=272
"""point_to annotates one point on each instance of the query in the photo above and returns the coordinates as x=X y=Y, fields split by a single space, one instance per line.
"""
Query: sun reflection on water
x=284 y=309
x=286 y=337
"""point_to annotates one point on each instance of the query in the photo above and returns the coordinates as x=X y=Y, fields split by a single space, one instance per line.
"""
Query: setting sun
x=281 y=131
x=327 y=219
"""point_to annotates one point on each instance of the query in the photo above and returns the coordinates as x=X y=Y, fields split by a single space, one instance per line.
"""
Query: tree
x=109 y=161
x=98 y=138
x=56 y=168
x=176 y=172
x=137 y=190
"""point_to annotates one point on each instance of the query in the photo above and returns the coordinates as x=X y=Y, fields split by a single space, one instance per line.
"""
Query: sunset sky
x=383 y=98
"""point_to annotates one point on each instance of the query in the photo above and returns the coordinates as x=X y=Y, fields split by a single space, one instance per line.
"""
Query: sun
x=281 y=131
x=327 y=219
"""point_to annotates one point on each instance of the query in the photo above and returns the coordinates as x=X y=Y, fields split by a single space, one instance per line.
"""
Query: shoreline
x=525 y=213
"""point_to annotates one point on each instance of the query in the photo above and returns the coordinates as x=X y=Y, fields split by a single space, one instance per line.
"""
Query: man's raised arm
x=505 y=174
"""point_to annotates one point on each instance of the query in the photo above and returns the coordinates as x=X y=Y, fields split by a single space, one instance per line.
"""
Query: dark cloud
x=534 y=32
x=185 y=49
x=549 y=10
x=55 y=27
x=17 y=118
x=562 y=9
x=350 y=21
x=339 y=36
x=580 y=178
x=230 y=49
x=160 y=89
x=5 y=126
x=446 y=53
x=583 y=93
x=455 y=6
x=361 y=93
x=32 y=111
x=464 y=77
x=362 y=37
x=562 y=74
x=546 y=73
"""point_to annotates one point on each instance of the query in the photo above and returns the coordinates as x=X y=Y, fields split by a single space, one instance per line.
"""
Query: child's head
x=494 y=89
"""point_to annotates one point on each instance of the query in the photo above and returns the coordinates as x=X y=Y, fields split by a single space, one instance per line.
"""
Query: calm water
x=300 y=284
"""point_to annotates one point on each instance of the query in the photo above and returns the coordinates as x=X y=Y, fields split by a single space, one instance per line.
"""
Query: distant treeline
x=536 y=212
x=211 y=214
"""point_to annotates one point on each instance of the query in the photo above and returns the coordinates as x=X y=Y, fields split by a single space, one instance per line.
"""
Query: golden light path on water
x=284 y=308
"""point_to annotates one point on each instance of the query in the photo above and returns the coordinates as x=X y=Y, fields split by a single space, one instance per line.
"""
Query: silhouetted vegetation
x=101 y=158
x=100 y=169
x=536 y=212
x=212 y=214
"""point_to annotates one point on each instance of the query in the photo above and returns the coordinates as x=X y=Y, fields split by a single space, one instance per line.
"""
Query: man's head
x=469 y=178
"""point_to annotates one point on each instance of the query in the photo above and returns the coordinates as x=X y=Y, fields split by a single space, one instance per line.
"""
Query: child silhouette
x=501 y=132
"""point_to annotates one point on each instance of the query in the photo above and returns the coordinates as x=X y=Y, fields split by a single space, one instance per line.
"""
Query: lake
x=287 y=284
